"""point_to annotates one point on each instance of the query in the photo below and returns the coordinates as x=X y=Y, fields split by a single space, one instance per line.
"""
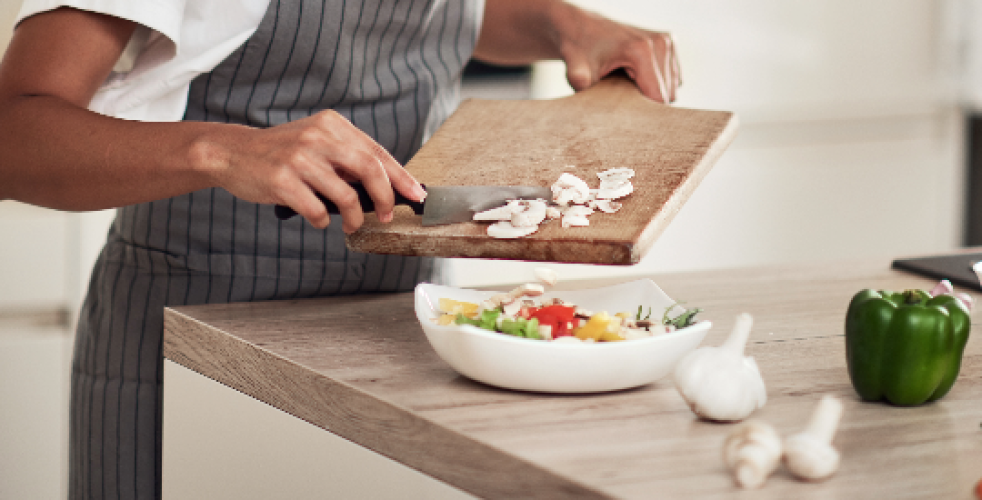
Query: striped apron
x=391 y=67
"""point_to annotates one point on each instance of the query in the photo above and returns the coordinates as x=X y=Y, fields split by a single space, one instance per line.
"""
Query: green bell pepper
x=905 y=347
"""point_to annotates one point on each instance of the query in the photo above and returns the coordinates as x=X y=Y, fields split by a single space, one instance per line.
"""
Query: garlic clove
x=720 y=383
x=752 y=452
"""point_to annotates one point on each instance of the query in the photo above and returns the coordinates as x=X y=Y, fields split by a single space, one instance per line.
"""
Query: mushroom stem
x=809 y=454
x=736 y=343
x=825 y=420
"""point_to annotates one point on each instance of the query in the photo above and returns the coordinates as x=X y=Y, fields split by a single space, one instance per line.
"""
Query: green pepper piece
x=904 y=348
x=514 y=327
x=464 y=320
x=489 y=319
x=532 y=329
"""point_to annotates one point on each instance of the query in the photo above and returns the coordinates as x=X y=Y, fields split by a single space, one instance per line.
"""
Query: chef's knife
x=443 y=204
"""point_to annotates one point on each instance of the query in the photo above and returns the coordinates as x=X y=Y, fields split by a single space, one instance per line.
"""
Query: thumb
x=579 y=74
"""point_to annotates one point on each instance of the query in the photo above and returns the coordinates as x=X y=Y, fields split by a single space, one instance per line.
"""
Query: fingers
x=654 y=67
x=291 y=164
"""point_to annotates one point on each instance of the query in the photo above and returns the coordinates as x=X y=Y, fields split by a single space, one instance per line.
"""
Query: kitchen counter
x=361 y=367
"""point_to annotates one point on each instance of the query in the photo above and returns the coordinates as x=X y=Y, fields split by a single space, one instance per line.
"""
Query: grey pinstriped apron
x=392 y=68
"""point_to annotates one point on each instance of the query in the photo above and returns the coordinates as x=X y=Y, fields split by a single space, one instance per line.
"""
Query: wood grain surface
x=531 y=142
x=361 y=368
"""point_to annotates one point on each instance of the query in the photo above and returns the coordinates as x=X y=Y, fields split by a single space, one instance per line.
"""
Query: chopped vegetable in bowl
x=520 y=314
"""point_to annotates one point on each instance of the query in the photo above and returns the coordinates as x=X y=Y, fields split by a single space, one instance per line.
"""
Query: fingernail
x=386 y=217
x=419 y=192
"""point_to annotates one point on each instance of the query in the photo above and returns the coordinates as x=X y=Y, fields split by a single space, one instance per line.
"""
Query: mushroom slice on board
x=505 y=230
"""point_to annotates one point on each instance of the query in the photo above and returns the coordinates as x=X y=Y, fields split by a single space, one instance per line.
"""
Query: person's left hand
x=593 y=46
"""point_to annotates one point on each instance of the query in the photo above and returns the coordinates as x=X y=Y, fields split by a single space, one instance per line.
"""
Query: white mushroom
x=576 y=216
x=606 y=206
x=570 y=189
x=512 y=308
x=809 y=454
x=615 y=174
x=611 y=190
x=532 y=213
x=575 y=221
x=546 y=275
x=503 y=212
x=505 y=230
x=752 y=452
x=553 y=213
x=578 y=211
x=527 y=290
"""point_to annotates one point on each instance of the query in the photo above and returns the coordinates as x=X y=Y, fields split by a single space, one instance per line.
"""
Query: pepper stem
x=737 y=341
x=914 y=297
x=825 y=419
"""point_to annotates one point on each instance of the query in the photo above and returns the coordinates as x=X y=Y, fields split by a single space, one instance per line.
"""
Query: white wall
x=847 y=116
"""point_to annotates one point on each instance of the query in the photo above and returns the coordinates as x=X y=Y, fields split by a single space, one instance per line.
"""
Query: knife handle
x=284 y=212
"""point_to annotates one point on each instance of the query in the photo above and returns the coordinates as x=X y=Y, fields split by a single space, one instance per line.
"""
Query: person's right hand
x=288 y=164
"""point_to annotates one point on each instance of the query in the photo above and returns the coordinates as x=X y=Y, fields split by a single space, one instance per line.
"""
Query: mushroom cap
x=752 y=452
x=810 y=458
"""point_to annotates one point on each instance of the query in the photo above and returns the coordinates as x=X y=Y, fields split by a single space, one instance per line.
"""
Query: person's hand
x=289 y=163
x=593 y=46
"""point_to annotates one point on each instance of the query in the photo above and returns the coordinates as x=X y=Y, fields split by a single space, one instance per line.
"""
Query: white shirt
x=177 y=40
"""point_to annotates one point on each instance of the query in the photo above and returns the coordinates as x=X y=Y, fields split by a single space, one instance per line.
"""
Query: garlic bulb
x=752 y=452
x=809 y=454
x=720 y=383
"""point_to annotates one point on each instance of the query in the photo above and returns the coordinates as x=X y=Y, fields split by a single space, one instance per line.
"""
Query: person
x=231 y=106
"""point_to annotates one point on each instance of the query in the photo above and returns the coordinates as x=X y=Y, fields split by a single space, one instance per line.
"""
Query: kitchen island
x=360 y=368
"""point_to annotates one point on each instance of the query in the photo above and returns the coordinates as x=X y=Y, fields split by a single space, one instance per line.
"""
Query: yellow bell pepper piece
x=594 y=327
x=455 y=307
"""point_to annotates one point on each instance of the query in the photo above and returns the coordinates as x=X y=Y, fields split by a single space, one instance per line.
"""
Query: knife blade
x=443 y=204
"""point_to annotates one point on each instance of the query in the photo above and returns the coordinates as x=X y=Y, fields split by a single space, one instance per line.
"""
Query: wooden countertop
x=360 y=367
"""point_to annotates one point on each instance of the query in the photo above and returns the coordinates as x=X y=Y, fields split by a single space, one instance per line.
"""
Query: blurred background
x=856 y=140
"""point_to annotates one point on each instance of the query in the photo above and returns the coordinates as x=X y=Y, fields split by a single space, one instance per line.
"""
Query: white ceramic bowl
x=534 y=365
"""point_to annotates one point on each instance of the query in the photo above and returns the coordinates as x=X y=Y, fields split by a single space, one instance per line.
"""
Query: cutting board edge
x=520 y=249
x=649 y=235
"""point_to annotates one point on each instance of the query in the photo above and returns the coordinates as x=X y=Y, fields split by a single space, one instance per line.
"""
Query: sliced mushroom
x=570 y=189
x=532 y=213
x=615 y=174
x=575 y=221
x=505 y=230
x=511 y=309
x=546 y=275
x=606 y=206
x=503 y=212
x=613 y=190
x=527 y=290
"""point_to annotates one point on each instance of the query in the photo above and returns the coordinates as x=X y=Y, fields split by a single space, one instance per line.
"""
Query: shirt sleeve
x=162 y=16
x=186 y=38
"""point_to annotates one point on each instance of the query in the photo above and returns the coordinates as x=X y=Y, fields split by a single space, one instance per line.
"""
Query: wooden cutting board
x=531 y=142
